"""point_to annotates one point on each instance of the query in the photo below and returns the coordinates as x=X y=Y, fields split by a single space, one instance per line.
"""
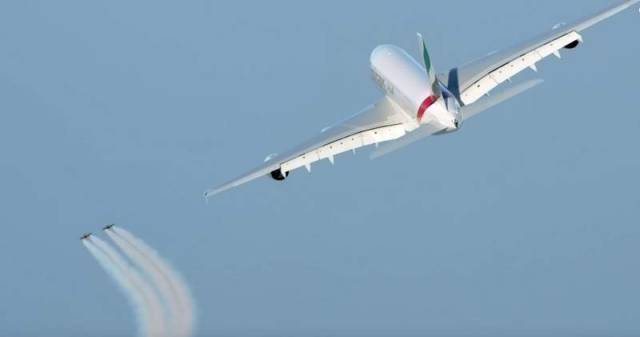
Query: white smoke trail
x=157 y=278
x=129 y=290
x=172 y=288
x=140 y=294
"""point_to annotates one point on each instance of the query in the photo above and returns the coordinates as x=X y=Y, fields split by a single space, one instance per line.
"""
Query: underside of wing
x=376 y=124
x=478 y=78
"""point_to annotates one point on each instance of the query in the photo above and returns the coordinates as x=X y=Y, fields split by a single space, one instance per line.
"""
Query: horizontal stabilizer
x=409 y=139
x=504 y=95
x=468 y=112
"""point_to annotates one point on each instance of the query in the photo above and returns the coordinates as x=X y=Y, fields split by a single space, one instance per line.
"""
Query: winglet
x=426 y=59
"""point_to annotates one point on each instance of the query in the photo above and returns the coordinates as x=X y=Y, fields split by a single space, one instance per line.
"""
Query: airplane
x=85 y=236
x=419 y=102
x=108 y=227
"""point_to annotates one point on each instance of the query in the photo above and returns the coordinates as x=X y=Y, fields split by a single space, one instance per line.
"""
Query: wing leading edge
x=375 y=124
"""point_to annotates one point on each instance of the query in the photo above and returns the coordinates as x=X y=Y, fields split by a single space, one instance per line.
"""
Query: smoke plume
x=172 y=289
x=146 y=304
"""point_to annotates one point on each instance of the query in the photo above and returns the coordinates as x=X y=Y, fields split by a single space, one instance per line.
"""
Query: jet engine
x=278 y=175
x=572 y=44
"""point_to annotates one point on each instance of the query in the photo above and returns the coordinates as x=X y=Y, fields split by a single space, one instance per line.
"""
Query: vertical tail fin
x=426 y=59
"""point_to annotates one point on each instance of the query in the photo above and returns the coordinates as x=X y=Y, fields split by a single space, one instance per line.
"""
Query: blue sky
x=525 y=223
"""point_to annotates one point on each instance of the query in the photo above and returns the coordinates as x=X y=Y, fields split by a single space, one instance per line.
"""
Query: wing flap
x=498 y=76
x=352 y=142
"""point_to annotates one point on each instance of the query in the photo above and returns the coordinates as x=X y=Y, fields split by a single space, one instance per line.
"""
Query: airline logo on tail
x=426 y=59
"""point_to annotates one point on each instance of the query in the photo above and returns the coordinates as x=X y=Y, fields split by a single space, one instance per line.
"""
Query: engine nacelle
x=572 y=44
x=278 y=175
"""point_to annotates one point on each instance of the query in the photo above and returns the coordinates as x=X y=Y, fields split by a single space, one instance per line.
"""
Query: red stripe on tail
x=426 y=104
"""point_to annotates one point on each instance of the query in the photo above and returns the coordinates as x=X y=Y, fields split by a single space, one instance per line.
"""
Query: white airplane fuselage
x=406 y=83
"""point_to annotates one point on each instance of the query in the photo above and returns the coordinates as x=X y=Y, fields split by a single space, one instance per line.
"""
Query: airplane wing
x=375 y=124
x=476 y=79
